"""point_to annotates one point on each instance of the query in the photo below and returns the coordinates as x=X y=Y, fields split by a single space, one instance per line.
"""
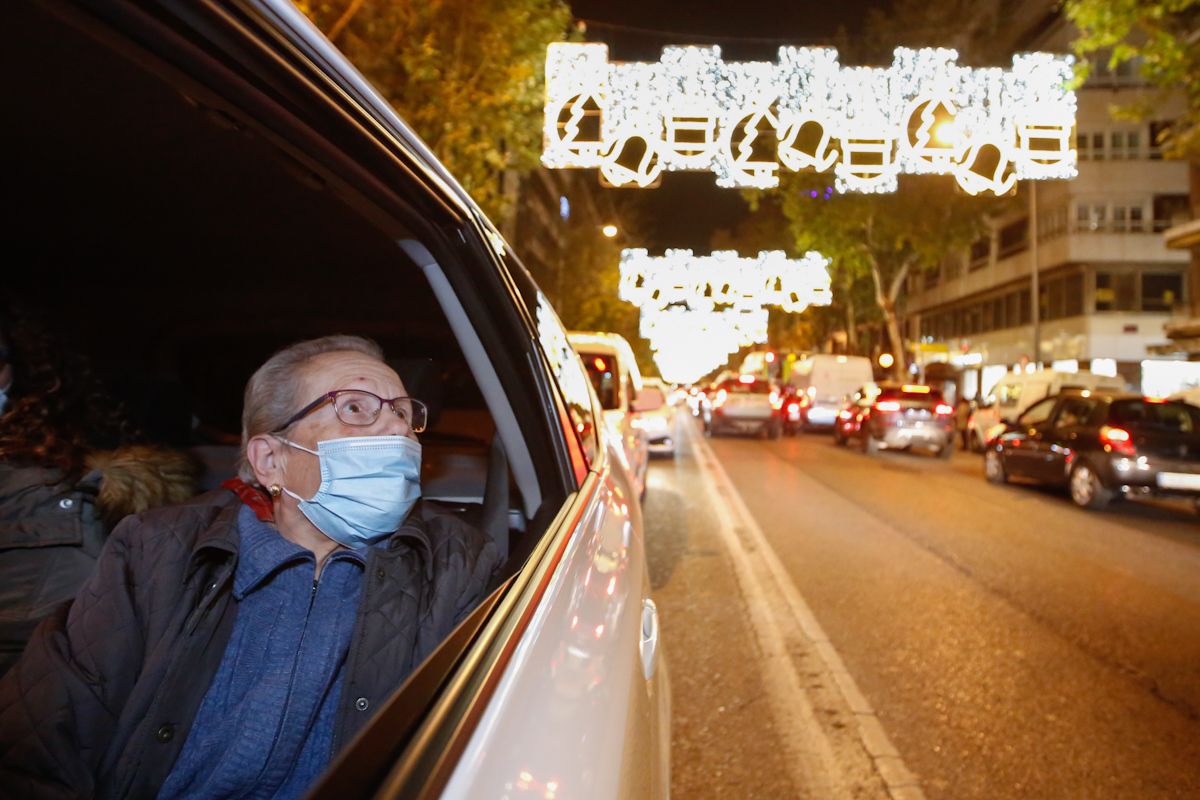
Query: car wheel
x=1086 y=489
x=993 y=466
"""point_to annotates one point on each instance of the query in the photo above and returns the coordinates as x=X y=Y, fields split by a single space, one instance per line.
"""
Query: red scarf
x=256 y=498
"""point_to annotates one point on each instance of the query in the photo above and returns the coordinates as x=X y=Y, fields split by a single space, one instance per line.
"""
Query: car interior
x=176 y=247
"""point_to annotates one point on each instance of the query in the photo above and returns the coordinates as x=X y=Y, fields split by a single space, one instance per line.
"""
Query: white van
x=1017 y=391
x=614 y=372
x=823 y=382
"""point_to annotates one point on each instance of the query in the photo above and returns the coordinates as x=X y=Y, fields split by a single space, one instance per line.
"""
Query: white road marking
x=764 y=583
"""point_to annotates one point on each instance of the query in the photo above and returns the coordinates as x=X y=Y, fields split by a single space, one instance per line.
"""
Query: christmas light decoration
x=699 y=310
x=744 y=121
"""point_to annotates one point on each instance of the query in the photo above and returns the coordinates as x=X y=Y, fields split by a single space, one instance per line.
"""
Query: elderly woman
x=231 y=645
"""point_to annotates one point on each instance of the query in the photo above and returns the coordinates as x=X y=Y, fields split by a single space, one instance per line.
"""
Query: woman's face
x=325 y=373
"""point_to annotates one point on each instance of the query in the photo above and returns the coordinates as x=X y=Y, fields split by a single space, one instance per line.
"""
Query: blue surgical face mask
x=368 y=486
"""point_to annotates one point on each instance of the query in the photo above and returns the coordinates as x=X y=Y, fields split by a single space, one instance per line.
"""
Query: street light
x=886 y=360
x=610 y=230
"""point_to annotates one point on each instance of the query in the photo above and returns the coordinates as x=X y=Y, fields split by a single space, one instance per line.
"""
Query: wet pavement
x=1011 y=644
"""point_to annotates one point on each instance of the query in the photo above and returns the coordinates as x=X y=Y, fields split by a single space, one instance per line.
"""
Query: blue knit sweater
x=265 y=726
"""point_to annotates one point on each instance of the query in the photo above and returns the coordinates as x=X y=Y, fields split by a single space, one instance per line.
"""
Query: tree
x=467 y=75
x=1163 y=36
x=885 y=237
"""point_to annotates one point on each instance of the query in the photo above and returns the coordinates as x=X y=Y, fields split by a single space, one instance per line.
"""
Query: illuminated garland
x=699 y=310
x=922 y=115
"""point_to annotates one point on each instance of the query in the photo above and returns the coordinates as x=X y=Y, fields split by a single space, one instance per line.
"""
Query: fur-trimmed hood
x=140 y=477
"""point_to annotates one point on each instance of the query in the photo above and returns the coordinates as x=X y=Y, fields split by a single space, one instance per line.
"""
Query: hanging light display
x=744 y=121
x=696 y=311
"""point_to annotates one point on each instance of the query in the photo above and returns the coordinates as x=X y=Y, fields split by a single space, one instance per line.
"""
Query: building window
x=1116 y=291
x=1135 y=219
x=1081 y=145
x=1098 y=146
x=1171 y=209
x=1161 y=291
x=1073 y=296
x=1014 y=237
x=981 y=251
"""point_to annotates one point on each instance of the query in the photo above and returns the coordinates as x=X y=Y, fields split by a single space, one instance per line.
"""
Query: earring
x=275 y=490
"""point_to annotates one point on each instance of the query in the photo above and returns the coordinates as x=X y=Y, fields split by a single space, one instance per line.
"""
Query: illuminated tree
x=466 y=74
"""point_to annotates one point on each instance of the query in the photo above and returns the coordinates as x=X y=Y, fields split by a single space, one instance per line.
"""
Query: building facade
x=1108 y=281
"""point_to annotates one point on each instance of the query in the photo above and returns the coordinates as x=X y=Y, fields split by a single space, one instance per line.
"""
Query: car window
x=1165 y=417
x=1075 y=411
x=1038 y=413
x=744 y=387
x=602 y=371
x=570 y=375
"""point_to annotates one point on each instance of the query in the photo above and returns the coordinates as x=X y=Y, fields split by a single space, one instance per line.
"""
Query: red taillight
x=1155 y=399
x=887 y=405
x=1117 y=440
x=944 y=409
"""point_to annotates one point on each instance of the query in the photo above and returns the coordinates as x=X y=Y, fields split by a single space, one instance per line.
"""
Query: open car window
x=175 y=240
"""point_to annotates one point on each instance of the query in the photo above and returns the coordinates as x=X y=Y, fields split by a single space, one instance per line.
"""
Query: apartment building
x=1108 y=281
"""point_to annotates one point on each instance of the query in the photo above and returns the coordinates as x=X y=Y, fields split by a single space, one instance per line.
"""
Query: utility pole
x=1034 y=305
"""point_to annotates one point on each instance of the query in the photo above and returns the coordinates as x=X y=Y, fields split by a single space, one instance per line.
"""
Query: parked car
x=898 y=417
x=746 y=404
x=1102 y=446
x=655 y=417
x=822 y=382
x=1017 y=391
x=201 y=183
x=614 y=373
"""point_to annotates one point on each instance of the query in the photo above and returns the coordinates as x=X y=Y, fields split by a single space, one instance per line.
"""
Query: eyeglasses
x=357 y=407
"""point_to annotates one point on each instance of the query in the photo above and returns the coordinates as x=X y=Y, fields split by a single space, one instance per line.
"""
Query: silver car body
x=658 y=425
x=556 y=684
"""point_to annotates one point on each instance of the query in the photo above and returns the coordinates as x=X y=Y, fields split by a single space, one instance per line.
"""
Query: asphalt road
x=1012 y=645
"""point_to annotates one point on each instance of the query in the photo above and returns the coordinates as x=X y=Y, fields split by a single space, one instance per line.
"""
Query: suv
x=1103 y=446
x=746 y=404
x=201 y=183
x=897 y=417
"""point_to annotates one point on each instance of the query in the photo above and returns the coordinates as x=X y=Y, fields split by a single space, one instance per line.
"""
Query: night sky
x=688 y=206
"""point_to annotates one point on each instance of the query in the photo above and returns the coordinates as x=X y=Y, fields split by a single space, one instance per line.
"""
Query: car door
x=1060 y=439
x=1025 y=448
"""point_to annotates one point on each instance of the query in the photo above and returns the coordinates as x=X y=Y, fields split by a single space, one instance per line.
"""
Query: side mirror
x=650 y=398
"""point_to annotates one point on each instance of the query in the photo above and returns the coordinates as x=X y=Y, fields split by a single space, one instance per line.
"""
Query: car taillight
x=944 y=409
x=1117 y=440
x=776 y=401
x=887 y=405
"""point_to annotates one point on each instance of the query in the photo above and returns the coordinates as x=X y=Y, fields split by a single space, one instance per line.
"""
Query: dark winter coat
x=52 y=529
x=103 y=699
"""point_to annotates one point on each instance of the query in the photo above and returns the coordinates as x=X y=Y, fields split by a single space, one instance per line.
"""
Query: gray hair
x=271 y=393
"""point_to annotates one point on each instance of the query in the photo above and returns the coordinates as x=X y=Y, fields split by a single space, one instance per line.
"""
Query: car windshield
x=917 y=394
x=746 y=387
x=1144 y=414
